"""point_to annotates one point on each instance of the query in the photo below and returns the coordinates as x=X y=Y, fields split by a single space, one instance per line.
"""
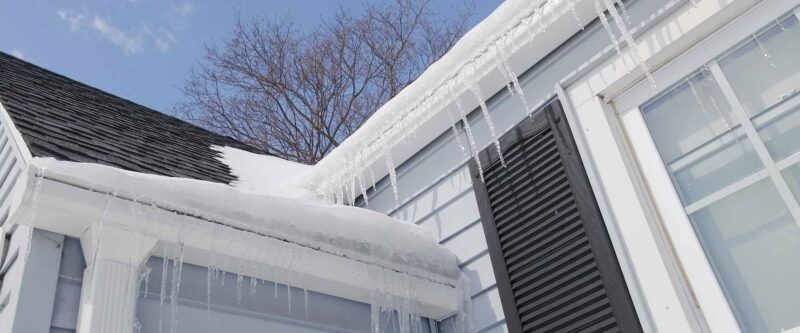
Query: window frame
x=697 y=269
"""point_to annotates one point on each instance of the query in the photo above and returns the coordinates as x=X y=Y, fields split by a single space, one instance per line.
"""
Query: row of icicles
x=353 y=182
x=386 y=304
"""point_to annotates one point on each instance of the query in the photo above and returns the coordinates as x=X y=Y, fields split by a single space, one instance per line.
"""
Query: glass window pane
x=698 y=138
x=792 y=177
x=715 y=171
x=782 y=136
x=753 y=244
x=765 y=70
x=688 y=116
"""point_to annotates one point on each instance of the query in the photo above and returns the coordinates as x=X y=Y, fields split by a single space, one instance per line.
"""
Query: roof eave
x=49 y=203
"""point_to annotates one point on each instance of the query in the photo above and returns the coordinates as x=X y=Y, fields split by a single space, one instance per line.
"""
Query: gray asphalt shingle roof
x=68 y=120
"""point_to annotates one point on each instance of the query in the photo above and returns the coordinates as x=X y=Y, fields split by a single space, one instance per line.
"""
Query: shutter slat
x=549 y=272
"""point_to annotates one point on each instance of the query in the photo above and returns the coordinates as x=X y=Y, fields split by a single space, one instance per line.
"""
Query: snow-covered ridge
x=350 y=232
x=454 y=77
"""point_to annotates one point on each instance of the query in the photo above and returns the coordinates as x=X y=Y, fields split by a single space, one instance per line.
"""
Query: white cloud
x=162 y=38
x=74 y=19
x=18 y=53
x=183 y=10
x=129 y=43
x=162 y=35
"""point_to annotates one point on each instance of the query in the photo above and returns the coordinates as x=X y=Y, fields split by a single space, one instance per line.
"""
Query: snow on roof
x=415 y=114
x=349 y=232
x=263 y=174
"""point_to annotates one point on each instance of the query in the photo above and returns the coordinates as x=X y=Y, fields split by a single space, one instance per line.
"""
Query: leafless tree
x=297 y=93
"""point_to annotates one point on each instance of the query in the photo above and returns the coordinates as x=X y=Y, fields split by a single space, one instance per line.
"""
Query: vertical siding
x=434 y=185
x=27 y=288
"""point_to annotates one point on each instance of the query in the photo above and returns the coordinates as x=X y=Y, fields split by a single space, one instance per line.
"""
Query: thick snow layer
x=262 y=174
x=350 y=232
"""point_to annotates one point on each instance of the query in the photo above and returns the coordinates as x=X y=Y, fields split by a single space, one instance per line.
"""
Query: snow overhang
x=523 y=31
x=337 y=250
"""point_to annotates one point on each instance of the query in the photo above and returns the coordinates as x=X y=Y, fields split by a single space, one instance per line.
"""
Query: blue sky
x=143 y=50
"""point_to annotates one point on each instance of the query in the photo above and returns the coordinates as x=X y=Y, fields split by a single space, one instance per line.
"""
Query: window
x=729 y=136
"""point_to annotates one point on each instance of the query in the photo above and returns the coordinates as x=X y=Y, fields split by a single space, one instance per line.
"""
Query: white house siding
x=28 y=258
x=434 y=186
x=68 y=288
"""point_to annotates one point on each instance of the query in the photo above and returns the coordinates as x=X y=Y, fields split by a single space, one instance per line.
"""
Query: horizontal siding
x=434 y=185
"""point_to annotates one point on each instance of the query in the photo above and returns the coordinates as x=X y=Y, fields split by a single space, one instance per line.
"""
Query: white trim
x=718 y=42
x=668 y=302
x=716 y=144
x=71 y=209
x=726 y=191
x=758 y=145
x=598 y=189
x=698 y=272
x=789 y=161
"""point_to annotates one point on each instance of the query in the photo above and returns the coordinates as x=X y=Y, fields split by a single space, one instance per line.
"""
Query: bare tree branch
x=297 y=94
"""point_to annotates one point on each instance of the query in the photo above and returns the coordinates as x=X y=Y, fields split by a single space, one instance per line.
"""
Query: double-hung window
x=729 y=137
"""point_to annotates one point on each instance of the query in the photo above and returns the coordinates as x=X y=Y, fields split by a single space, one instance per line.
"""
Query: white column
x=110 y=282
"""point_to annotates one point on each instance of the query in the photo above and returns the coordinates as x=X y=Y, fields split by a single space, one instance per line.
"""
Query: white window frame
x=698 y=272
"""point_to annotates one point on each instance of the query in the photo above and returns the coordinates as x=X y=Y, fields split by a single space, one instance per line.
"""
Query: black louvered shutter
x=555 y=267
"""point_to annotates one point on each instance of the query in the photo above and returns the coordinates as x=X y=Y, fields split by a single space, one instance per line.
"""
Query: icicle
x=209 y=273
x=607 y=26
x=571 y=4
x=502 y=68
x=239 y=279
x=632 y=46
x=470 y=138
x=305 y=300
x=697 y=98
x=375 y=316
x=363 y=189
x=455 y=133
x=144 y=277
x=392 y=174
x=163 y=295
x=372 y=178
x=764 y=52
x=514 y=80
x=175 y=289
x=714 y=104
x=352 y=191
x=624 y=10
x=488 y=118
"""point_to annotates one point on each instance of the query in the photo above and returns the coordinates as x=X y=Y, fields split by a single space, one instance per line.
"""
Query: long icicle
x=455 y=133
x=632 y=46
x=504 y=61
x=473 y=147
x=489 y=123
x=392 y=174
x=571 y=4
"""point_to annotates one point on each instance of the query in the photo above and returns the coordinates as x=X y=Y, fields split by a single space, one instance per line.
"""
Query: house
x=569 y=166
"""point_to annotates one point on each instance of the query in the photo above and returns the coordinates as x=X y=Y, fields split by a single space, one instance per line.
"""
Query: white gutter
x=58 y=201
x=525 y=30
